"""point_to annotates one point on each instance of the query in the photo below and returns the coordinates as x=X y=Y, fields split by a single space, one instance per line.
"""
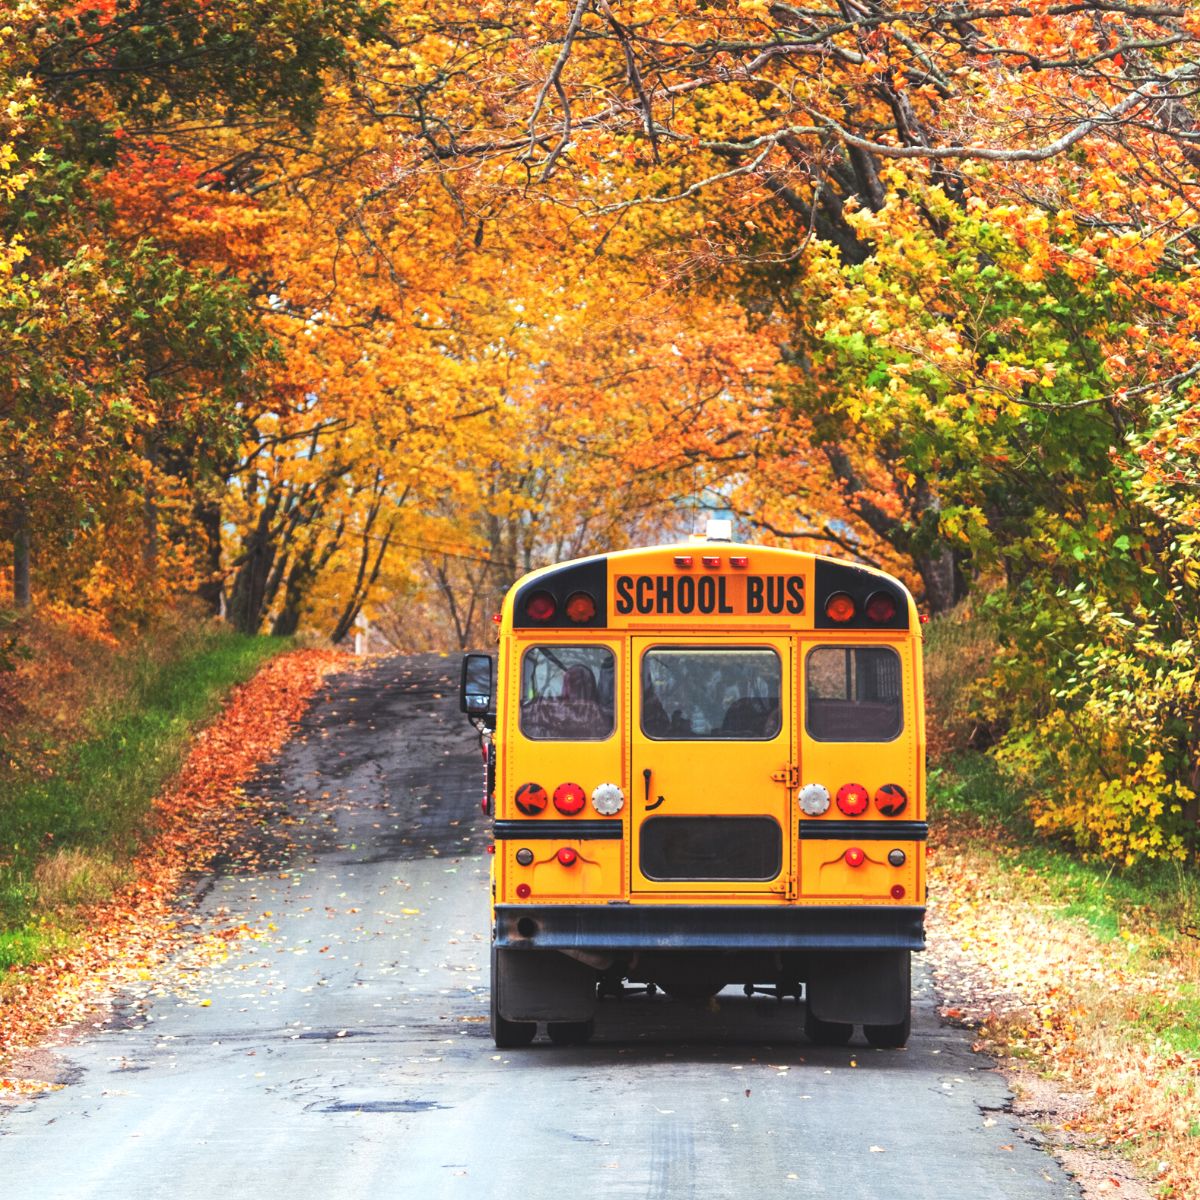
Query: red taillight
x=711 y=561
x=523 y=890
x=540 y=606
x=567 y=856
x=580 y=608
x=852 y=799
x=854 y=857
x=497 y=618
x=569 y=799
x=684 y=561
x=739 y=560
x=898 y=891
x=531 y=799
x=891 y=799
x=880 y=607
x=840 y=608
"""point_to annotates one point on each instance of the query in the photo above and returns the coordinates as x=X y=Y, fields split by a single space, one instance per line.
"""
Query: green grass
x=91 y=813
x=967 y=789
x=1173 y=1022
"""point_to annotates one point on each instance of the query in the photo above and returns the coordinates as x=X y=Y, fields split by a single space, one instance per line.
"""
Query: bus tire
x=826 y=1033
x=570 y=1033
x=889 y=1037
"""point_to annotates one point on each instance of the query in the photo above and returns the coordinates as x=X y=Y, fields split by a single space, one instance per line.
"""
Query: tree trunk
x=150 y=513
x=933 y=559
x=364 y=582
x=22 y=558
x=938 y=573
x=288 y=619
x=250 y=584
x=208 y=517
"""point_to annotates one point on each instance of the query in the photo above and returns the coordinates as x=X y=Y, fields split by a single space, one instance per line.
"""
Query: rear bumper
x=629 y=928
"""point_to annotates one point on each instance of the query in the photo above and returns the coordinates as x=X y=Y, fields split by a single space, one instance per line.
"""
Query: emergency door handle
x=646 y=776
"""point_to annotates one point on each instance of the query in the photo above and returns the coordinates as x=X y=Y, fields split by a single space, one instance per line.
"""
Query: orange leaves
x=18 y=1089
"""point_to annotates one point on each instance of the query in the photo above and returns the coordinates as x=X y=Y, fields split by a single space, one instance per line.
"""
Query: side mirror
x=475 y=693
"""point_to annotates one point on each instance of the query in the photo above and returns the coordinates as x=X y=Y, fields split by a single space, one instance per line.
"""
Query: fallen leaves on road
x=199 y=815
x=14 y=1089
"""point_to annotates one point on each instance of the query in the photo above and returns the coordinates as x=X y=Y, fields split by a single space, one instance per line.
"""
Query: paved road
x=345 y=1051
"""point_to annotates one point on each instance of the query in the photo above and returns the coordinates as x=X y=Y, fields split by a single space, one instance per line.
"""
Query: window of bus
x=852 y=694
x=567 y=693
x=710 y=694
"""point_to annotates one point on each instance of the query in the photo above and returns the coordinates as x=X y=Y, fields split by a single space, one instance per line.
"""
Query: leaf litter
x=126 y=940
x=1063 y=1009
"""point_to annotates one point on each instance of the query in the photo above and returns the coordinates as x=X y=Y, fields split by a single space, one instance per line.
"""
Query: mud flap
x=532 y=985
x=863 y=987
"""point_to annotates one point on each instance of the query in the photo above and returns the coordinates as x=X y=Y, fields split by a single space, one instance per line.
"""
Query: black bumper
x=630 y=928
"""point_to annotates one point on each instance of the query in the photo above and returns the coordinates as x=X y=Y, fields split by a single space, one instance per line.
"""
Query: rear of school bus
x=708 y=771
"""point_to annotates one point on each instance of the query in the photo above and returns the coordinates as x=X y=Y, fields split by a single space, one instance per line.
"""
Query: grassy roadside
x=1085 y=975
x=71 y=821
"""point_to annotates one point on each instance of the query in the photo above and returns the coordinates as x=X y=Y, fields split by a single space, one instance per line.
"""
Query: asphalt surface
x=343 y=1050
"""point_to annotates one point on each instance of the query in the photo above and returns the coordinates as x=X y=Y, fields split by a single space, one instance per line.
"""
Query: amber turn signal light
x=580 y=608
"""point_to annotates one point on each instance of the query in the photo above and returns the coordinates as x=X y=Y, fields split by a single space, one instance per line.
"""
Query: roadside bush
x=959 y=648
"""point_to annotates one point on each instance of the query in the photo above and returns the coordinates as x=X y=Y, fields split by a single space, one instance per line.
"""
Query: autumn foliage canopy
x=318 y=308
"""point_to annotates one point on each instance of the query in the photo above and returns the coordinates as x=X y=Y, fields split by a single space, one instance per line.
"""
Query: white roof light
x=718 y=529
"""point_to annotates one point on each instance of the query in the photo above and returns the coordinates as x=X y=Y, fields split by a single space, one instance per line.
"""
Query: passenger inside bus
x=561 y=699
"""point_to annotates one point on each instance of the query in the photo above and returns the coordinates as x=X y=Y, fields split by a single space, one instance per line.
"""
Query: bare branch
x=553 y=79
x=1147 y=93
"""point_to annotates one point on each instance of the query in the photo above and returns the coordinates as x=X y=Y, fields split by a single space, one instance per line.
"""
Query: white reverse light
x=814 y=799
x=608 y=799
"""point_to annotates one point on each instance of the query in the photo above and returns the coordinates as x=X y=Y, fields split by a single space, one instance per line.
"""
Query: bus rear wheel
x=826 y=1033
x=889 y=1037
x=570 y=1033
x=511 y=1035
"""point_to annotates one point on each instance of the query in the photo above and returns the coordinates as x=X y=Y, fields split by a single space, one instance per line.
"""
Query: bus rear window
x=852 y=694
x=700 y=694
x=567 y=693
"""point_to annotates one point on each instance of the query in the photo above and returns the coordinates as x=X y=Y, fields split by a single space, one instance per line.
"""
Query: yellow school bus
x=706 y=767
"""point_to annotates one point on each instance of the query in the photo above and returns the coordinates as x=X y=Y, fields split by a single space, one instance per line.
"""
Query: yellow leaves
x=1120 y=817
